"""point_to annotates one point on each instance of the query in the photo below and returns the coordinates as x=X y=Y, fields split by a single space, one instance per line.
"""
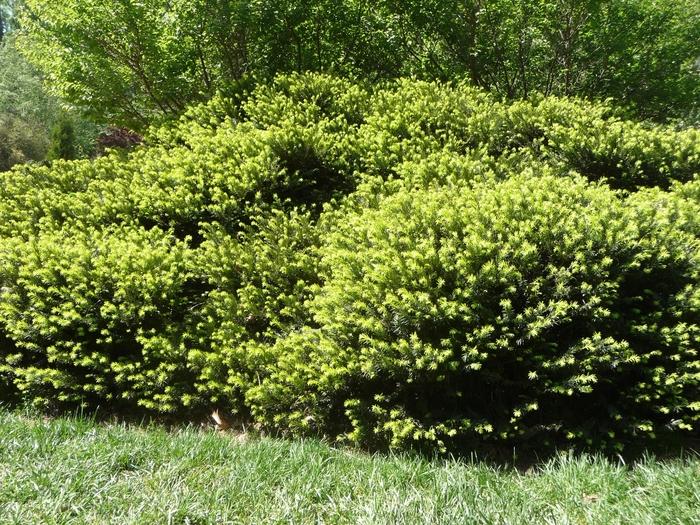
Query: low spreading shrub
x=405 y=264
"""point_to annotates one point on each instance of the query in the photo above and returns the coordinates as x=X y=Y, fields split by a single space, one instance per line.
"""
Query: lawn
x=73 y=470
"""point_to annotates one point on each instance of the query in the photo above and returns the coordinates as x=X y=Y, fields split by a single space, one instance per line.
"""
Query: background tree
x=27 y=111
x=131 y=62
x=20 y=141
x=639 y=52
x=62 y=141
x=7 y=9
x=21 y=88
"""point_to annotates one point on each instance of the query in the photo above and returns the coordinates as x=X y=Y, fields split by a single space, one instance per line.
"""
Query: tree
x=62 y=141
x=639 y=52
x=7 y=8
x=21 y=91
x=130 y=62
x=20 y=141
x=28 y=113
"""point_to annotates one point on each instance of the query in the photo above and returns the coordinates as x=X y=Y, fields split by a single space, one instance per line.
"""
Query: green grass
x=78 y=471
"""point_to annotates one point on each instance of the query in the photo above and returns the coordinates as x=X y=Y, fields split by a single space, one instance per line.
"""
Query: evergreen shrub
x=62 y=141
x=409 y=264
x=538 y=307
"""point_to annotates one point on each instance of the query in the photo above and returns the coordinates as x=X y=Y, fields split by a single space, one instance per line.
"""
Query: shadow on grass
x=522 y=457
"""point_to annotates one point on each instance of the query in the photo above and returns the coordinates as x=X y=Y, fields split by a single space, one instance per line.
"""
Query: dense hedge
x=409 y=264
x=537 y=305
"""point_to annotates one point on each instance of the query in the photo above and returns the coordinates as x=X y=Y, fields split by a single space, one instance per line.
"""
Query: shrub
x=628 y=155
x=409 y=120
x=412 y=264
x=533 y=308
x=62 y=141
x=259 y=280
x=690 y=193
x=682 y=204
x=96 y=315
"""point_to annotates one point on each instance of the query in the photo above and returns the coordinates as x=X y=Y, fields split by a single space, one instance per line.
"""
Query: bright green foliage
x=406 y=264
x=639 y=156
x=536 y=307
x=259 y=281
x=218 y=189
x=682 y=204
x=96 y=315
x=411 y=119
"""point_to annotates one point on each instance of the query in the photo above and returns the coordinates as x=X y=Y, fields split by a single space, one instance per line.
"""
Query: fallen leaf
x=220 y=421
x=591 y=498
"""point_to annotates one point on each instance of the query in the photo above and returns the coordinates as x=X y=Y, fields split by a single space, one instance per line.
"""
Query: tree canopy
x=130 y=62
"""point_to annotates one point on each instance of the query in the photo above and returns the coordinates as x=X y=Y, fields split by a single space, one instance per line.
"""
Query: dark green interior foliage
x=411 y=264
